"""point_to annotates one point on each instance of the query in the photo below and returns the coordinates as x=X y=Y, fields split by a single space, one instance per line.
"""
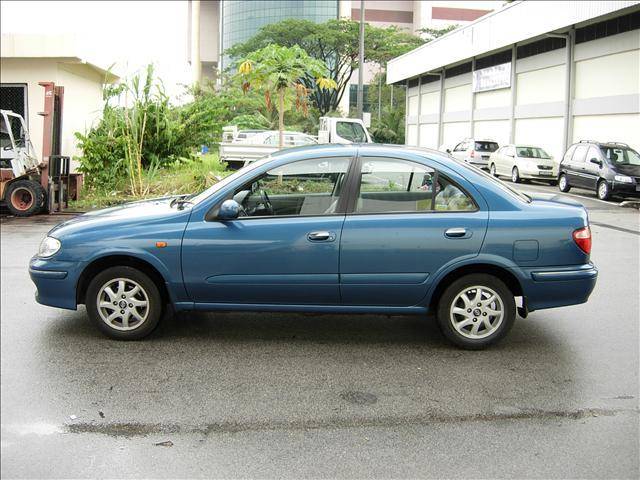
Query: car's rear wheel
x=124 y=303
x=604 y=192
x=515 y=175
x=476 y=311
x=563 y=183
x=492 y=170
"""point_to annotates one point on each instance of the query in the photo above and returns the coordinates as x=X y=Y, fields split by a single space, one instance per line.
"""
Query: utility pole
x=361 y=62
x=196 y=66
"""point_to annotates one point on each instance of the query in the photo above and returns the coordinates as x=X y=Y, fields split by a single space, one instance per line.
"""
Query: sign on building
x=492 y=78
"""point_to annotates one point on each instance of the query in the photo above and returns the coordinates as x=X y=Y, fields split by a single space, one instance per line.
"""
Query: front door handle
x=321 y=236
x=455 y=232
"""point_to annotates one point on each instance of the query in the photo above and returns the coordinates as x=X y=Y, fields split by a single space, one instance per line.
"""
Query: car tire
x=492 y=170
x=563 y=183
x=603 y=190
x=515 y=175
x=25 y=197
x=136 y=313
x=473 y=327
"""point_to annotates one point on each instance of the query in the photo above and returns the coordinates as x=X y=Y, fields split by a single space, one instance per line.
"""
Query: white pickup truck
x=238 y=152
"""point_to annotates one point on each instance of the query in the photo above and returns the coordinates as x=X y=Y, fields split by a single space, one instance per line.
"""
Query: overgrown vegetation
x=181 y=177
x=139 y=130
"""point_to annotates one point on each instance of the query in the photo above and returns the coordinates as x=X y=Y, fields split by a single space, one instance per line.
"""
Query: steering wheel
x=266 y=203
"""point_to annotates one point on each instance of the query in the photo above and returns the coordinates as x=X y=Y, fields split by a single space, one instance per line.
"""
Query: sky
x=130 y=34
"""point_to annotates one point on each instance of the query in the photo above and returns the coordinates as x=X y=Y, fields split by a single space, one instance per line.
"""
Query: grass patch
x=185 y=176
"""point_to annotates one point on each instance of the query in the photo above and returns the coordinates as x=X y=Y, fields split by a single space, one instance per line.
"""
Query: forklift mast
x=54 y=173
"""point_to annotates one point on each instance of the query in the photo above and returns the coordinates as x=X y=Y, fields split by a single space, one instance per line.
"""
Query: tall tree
x=335 y=43
x=278 y=70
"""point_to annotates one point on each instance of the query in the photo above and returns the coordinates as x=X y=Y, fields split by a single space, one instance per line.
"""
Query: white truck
x=331 y=130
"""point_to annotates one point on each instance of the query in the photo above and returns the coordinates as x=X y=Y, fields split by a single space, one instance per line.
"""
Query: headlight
x=623 y=179
x=48 y=247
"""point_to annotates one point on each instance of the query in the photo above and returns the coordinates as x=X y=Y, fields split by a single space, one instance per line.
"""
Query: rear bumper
x=55 y=282
x=550 y=287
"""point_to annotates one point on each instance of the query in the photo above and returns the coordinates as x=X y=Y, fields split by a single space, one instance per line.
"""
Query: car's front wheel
x=604 y=192
x=124 y=303
x=515 y=175
x=492 y=170
x=476 y=311
x=563 y=183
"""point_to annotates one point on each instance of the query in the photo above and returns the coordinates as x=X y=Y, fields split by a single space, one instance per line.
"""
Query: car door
x=591 y=173
x=576 y=170
x=407 y=220
x=284 y=250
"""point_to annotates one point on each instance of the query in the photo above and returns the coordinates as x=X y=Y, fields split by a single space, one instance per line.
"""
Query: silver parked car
x=523 y=162
x=474 y=152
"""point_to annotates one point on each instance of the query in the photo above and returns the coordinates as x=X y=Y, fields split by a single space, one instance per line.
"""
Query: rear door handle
x=321 y=236
x=455 y=232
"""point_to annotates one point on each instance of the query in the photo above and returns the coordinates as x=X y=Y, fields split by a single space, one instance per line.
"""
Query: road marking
x=613 y=227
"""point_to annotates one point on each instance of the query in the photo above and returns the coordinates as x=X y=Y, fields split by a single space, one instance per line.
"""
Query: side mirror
x=596 y=161
x=448 y=150
x=229 y=210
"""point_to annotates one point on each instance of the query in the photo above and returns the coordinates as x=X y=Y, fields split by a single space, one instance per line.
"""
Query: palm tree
x=278 y=70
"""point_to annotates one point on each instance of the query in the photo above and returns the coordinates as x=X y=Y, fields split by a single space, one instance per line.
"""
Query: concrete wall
x=82 y=95
x=605 y=101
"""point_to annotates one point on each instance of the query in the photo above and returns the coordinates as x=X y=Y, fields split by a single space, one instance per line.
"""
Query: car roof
x=605 y=144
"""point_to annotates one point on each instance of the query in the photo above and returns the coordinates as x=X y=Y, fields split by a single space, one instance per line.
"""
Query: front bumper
x=625 y=189
x=55 y=281
x=550 y=287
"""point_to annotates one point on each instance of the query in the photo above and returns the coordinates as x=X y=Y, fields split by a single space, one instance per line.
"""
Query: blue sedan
x=329 y=228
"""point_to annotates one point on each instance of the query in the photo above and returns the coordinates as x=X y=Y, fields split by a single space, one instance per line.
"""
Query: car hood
x=632 y=170
x=132 y=213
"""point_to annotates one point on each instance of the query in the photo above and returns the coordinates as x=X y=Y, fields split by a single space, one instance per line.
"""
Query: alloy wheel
x=477 y=312
x=123 y=304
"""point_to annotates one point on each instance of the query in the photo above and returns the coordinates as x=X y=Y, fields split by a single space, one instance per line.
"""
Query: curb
x=631 y=204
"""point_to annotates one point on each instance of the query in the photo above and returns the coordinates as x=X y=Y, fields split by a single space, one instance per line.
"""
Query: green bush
x=139 y=128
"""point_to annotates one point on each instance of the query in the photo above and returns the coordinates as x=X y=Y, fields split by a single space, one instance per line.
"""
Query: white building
x=27 y=60
x=547 y=73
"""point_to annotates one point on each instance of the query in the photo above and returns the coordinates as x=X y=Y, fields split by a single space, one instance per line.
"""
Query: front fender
x=167 y=264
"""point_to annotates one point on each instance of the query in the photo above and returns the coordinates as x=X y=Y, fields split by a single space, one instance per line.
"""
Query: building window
x=541 y=46
x=614 y=26
x=353 y=97
x=457 y=70
x=492 y=60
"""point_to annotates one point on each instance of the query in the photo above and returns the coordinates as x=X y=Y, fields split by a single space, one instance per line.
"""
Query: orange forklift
x=28 y=185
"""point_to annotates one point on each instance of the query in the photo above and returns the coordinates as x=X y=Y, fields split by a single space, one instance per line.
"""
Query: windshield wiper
x=181 y=201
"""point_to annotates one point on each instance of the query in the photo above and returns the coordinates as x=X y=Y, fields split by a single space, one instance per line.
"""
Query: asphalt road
x=284 y=395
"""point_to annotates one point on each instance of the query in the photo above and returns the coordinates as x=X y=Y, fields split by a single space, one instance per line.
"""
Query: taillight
x=582 y=237
x=473 y=153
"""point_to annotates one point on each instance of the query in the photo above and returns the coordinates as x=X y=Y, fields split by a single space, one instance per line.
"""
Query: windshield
x=621 y=156
x=486 y=146
x=227 y=180
x=532 y=152
x=351 y=131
